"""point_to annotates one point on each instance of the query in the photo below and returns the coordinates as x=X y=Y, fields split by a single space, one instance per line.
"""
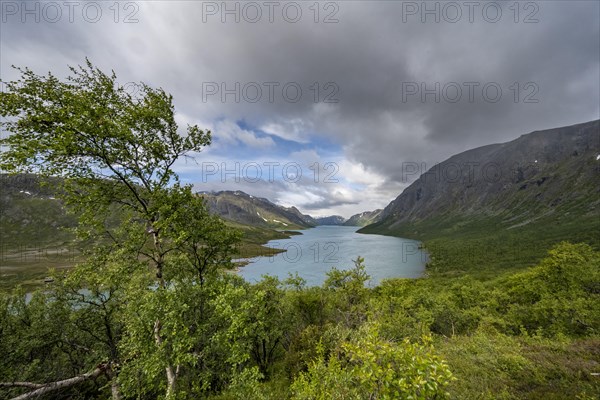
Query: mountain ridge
x=243 y=208
x=536 y=175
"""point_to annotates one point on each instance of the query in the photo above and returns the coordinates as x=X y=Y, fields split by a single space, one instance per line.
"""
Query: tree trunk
x=115 y=390
x=52 y=386
x=171 y=375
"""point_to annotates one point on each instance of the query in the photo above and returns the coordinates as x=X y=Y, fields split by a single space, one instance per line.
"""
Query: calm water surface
x=319 y=249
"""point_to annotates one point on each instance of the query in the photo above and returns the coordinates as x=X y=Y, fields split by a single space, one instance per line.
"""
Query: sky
x=334 y=106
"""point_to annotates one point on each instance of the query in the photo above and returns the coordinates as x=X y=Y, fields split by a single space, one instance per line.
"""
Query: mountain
x=364 y=218
x=549 y=179
x=32 y=234
x=33 y=238
x=29 y=213
x=307 y=219
x=243 y=208
x=331 y=220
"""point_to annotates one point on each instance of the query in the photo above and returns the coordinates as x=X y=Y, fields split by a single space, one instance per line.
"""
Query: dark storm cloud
x=371 y=54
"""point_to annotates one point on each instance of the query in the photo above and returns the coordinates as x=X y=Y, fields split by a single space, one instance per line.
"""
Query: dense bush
x=527 y=334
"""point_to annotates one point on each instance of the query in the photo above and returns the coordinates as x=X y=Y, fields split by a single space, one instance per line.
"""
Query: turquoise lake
x=319 y=249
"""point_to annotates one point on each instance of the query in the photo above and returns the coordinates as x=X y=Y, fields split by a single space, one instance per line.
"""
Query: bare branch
x=29 y=385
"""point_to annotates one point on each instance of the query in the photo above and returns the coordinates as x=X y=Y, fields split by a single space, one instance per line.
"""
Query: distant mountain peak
x=331 y=220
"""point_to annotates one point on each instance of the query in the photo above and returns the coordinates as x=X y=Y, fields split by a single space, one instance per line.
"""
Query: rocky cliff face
x=555 y=170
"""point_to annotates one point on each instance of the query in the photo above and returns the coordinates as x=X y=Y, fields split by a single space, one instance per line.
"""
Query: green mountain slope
x=505 y=204
x=30 y=213
x=33 y=230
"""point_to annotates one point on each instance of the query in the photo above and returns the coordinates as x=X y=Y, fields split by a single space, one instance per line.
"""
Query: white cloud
x=294 y=130
x=229 y=133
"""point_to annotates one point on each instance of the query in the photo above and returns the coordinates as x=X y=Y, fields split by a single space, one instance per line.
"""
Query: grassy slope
x=485 y=247
x=254 y=240
x=495 y=364
x=491 y=363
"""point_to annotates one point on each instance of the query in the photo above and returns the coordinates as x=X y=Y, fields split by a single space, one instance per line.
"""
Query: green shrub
x=371 y=367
